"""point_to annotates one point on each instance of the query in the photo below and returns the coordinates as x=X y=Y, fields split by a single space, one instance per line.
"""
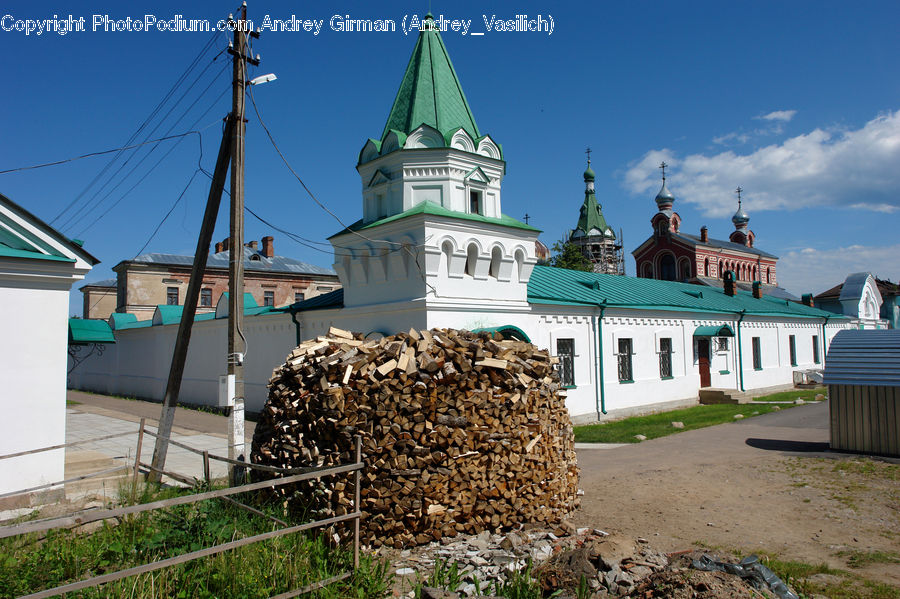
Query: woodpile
x=461 y=432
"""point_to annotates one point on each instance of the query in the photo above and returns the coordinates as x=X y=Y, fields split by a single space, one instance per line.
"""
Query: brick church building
x=670 y=254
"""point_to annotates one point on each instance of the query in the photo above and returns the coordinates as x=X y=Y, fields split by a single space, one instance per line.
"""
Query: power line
x=152 y=168
x=92 y=154
x=153 y=234
x=143 y=125
x=172 y=209
x=74 y=219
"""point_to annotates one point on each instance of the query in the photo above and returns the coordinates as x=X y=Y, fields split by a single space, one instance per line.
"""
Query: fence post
x=206 y=466
x=356 y=476
x=137 y=460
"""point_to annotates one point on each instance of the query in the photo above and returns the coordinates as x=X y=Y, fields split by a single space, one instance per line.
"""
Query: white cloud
x=740 y=138
x=778 y=115
x=813 y=271
x=825 y=167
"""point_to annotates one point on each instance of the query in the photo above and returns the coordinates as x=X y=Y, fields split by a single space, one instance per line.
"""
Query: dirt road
x=766 y=483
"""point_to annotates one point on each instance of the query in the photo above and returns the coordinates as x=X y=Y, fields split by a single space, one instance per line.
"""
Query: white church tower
x=432 y=230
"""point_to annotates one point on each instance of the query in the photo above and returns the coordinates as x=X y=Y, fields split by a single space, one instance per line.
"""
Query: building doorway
x=703 y=359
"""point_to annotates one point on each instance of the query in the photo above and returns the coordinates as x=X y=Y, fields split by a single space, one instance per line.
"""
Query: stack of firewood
x=461 y=432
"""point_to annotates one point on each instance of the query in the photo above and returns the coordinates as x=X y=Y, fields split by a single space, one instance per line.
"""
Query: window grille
x=757 y=354
x=171 y=296
x=624 y=358
x=565 y=351
x=665 y=357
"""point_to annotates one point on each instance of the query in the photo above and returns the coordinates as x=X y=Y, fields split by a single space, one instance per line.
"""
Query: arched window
x=471 y=259
x=706 y=267
x=721 y=268
x=768 y=275
x=496 y=255
x=647 y=270
x=754 y=273
x=518 y=263
x=667 y=267
x=685 y=268
x=446 y=254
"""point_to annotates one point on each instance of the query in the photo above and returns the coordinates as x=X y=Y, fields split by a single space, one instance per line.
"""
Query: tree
x=567 y=255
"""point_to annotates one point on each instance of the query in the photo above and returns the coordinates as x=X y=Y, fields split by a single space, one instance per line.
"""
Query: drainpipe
x=297 y=325
x=824 y=340
x=599 y=391
x=739 y=352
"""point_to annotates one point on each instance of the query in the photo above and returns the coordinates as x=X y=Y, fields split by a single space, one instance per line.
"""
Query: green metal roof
x=332 y=299
x=249 y=300
x=83 y=331
x=549 y=285
x=18 y=242
x=430 y=92
x=119 y=320
x=433 y=209
x=8 y=252
x=591 y=217
x=168 y=314
x=136 y=324
x=507 y=330
x=714 y=331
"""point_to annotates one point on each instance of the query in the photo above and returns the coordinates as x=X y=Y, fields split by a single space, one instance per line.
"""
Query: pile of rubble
x=584 y=562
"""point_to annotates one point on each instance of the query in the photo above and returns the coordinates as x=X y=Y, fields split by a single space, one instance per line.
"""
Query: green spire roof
x=591 y=217
x=430 y=92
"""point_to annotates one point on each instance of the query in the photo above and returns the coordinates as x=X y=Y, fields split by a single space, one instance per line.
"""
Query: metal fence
x=290 y=476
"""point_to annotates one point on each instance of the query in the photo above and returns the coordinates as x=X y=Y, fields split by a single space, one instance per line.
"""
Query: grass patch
x=837 y=584
x=43 y=560
x=660 y=425
x=804 y=394
x=69 y=402
x=861 y=559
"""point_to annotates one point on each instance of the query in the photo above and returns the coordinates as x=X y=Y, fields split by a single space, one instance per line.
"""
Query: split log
x=461 y=432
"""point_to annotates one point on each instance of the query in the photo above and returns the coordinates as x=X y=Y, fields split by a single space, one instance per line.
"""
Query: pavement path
x=735 y=485
x=89 y=416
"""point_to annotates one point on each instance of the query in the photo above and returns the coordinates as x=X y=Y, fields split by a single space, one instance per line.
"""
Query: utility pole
x=237 y=344
x=179 y=355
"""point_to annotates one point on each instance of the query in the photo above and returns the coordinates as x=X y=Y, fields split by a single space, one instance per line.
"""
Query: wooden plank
x=387 y=367
x=67 y=480
x=492 y=363
x=187 y=557
x=532 y=443
x=336 y=332
x=312 y=587
x=72 y=444
x=80 y=518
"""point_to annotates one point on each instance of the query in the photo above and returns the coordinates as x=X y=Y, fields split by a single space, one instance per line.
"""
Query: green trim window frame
x=206 y=297
x=665 y=357
x=792 y=347
x=625 y=367
x=171 y=296
x=757 y=354
x=565 y=351
x=815 y=345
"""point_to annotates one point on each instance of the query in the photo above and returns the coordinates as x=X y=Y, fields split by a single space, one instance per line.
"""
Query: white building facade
x=38 y=267
x=434 y=249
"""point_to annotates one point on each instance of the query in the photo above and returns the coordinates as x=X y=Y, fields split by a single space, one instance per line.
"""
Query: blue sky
x=799 y=103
